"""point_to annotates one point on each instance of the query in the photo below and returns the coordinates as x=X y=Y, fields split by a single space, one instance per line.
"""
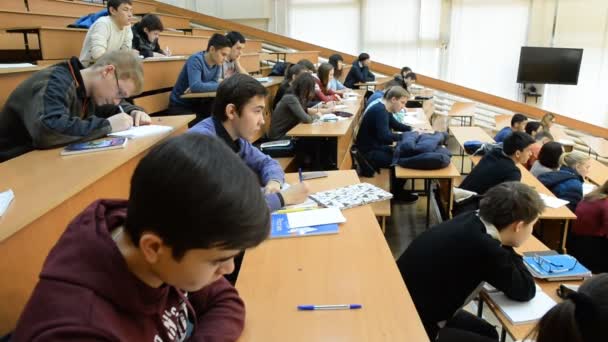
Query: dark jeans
x=591 y=251
x=465 y=326
x=201 y=107
x=382 y=158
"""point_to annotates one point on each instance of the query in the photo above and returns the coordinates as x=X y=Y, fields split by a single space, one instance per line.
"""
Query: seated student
x=310 y=67
x=291 y=73
x=232 y=64
x=334 y=84
x=238 y=113
x=325 y=73
x=500 y=165
x=408 y=80
x=518 y=124
x=292 y=109
x=547 y=122
x=548 y=158
x=533 y=128
x=567 y=182
x=359 y=72
x=581 y=317
x=200 y=74
x=588 y=239
x=145 y=37
x=404 y=71
x=109 y=33
x=444 y=267
x=65 y=103
x=541 y=139
x=379 y=94
x=151 y=268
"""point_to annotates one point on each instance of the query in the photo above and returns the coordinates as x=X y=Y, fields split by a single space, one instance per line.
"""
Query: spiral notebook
x=351 y=196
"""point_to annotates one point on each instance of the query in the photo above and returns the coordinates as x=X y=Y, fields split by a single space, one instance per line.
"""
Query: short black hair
x=237 y=90
x=178 y=194
x=235 y=37
x=550 y=154
x=405 y=70
x=517 y=118
x=510 y=202
x=411 y=76
x=116 y=3
x=308 y=65
x=363 y=57
x=218 y=41
x=532 y=126
x=516 y=141
x=151 y=22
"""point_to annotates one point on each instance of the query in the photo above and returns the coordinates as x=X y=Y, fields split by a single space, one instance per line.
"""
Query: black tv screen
x=549 y=65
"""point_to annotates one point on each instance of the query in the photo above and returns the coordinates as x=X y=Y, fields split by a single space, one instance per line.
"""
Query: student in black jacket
x=145 y=37
x=359 y=72
x=500 y=165
x=445 y=266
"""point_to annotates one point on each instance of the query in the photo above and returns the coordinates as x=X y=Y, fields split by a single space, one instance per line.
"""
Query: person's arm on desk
x=194 y=69
x=398 y=126
x=505 y=270
x=220 y=312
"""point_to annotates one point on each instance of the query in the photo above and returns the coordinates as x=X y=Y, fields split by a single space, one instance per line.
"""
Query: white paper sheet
x=6 y=197
x=142 y=131
x=315 y=217
x=553 y=202
x=523 y=312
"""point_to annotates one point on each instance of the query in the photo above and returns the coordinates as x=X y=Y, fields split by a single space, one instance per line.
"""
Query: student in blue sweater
x=200 y=74
x=518 y=124
x=238 y=113
x=359 y=72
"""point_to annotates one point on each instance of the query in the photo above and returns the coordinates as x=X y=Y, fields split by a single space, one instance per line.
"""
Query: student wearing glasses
x=66 y=102
x=445 y=267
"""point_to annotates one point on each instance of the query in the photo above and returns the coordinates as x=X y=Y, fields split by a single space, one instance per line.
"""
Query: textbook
x=523 y=312
x=103 y=144
x=351 y=196
x=280 y=228
x=556 y=267
x=142 y=131
x=306 y=222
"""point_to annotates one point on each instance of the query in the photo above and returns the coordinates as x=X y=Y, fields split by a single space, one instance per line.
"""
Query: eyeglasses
x=120 y=93
x=551 y=267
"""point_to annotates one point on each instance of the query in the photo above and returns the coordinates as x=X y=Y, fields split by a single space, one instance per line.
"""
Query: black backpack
x=363 y=166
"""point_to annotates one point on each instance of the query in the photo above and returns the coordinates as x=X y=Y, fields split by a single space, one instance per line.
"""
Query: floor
x=408 y=221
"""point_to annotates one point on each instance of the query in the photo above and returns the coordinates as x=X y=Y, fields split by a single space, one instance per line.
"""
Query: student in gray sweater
x=291 y=110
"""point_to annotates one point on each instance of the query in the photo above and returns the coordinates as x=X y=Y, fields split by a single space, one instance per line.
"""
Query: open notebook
x=351 y=196
x=523 y=312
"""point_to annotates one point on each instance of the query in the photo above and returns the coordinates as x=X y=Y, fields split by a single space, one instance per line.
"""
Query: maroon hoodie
x=86 y=292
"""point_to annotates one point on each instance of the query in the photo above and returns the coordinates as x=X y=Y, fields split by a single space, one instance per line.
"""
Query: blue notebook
x=280 y=228
x=555 y=267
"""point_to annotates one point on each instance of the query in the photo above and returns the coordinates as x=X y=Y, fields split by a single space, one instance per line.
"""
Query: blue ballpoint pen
x=330 y=307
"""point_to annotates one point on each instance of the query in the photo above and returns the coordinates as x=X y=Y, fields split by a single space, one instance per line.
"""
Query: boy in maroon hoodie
x=151 y=268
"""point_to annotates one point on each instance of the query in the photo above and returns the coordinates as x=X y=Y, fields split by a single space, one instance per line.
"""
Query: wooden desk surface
x=274 y=81
x=447 y=172
x=598 y=173
x=598 y=145
x=354 y=266
x=560 y=135
x=467 y=133
x=520 y=331
x=330 y=129
x=43 y=179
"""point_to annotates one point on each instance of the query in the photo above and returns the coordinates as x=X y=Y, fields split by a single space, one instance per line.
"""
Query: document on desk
x=587 y=188
x=16 y=65
x=523 y=312
x=6 y=197
x=411 y=121
x=315 y=217
x=553 y=202
x=142 y=131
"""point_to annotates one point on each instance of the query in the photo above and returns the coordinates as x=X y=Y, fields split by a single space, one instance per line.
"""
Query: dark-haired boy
x=109 y=33
x=145 y=37
x=359 y=72
x=518 y=124
x=151 y=268
x=232 y=64
x=500 y=164
x=445 y=267
x=238 y=114
x=200 y=74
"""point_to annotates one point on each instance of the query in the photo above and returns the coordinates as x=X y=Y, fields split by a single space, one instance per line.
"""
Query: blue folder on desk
x=555 y=267
x=280 y=228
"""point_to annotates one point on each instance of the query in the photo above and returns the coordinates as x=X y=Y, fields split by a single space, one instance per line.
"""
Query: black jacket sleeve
x=505 y=270
x=383 y=133
x=398 y=126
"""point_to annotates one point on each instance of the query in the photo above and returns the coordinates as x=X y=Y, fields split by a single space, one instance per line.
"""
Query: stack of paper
x=523 y=312
x=142 y=131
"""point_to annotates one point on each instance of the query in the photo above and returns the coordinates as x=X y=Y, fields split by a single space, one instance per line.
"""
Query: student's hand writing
x=272 y=187
x=140 y=118
x=296 y=194
x=120 y=122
